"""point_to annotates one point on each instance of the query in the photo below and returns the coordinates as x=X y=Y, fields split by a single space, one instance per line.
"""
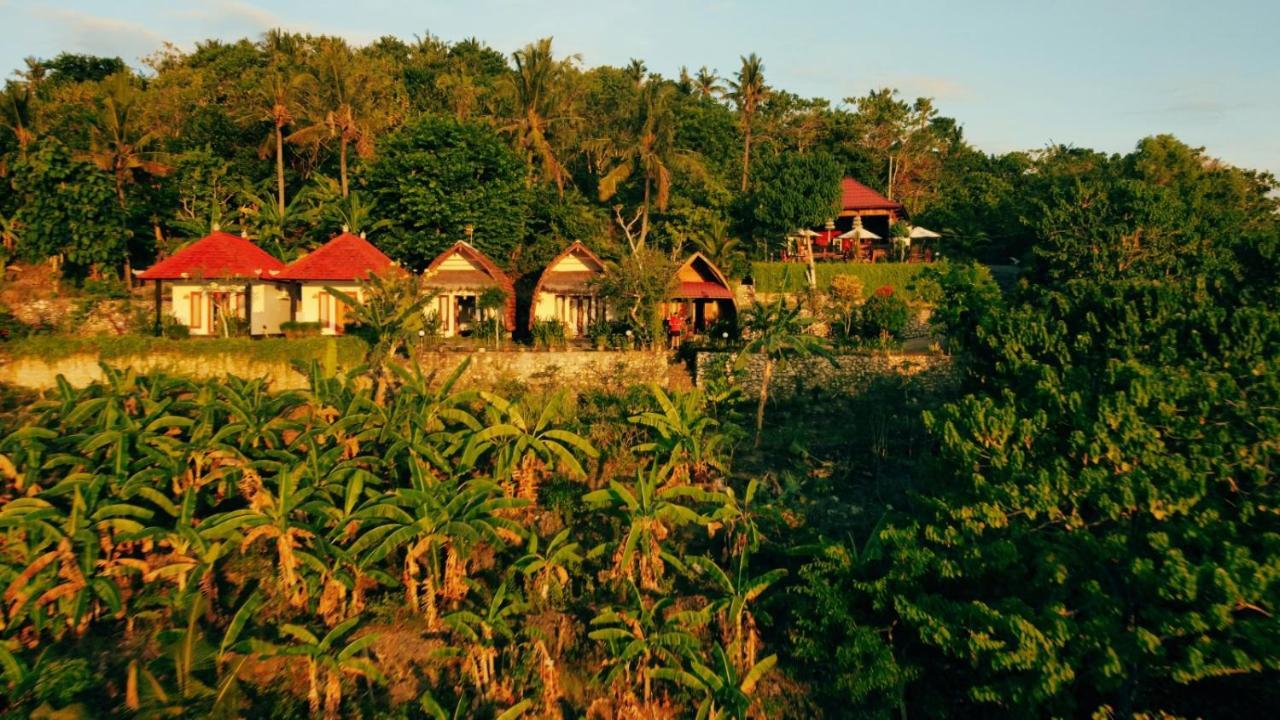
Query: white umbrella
x=807 y=233
x=919 y=232
x=860 y=233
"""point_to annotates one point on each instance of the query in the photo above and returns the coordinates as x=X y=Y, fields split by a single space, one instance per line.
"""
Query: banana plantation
x=181 y=549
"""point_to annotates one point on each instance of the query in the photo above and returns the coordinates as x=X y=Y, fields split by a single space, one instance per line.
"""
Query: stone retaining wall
x=574 y=370
x=83 y=369
x=850 y=375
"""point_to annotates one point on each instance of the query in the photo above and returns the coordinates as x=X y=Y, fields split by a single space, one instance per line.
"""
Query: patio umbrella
x=922 y=233
x=861 y=233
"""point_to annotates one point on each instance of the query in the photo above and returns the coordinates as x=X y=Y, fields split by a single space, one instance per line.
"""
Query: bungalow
x=702 y=294
x=458 y=276
x=341 y=264
x=865 y=215
x=218 y=277
x=565 y=291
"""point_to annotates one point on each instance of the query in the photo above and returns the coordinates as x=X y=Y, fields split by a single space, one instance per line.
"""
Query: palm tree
x=119 y=144
x=776 y=333
x=17 y=114
x=537 y=89
x=748 y=93
x=649 y=149
x=277 y=99
x=717 y=245
x=340 y=106
x=707 y=84
x=637 y=71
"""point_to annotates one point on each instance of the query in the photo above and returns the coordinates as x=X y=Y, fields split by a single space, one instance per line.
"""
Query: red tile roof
x=856 y=196
x=346 y=257
x=701 y=290
x=217 y=256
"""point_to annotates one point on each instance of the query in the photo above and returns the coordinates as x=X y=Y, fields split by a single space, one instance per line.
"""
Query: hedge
x=351 y=350
x=779 y=277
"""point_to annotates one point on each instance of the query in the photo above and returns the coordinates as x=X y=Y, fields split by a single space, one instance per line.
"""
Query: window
x=323 y=299
x=197 y=304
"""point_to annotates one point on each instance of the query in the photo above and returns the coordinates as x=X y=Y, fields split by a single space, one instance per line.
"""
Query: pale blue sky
x=1016 y=74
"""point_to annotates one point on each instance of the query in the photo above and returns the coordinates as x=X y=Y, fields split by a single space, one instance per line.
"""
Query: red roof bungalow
x=219 y=280
x=702 y=294
x=458 y=276
x=343 y=264
x=859 y=205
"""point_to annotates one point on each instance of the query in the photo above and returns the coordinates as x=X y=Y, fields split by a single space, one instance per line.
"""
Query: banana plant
x=73 y=566
x=547 y=569
x=726 y=692
x=641 y=635
x=432 y=528
x=515 y=436
x=684 y=436
x=282 y=512
x=731 y=604
x=328 y=661
x=485 y=631
x=253 y=416
x=650 y=510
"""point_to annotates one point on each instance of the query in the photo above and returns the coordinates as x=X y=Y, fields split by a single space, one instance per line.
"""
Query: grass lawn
x=351 y=350
x=775 y=277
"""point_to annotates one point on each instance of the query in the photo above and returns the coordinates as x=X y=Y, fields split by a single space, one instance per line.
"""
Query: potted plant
x=599 y=332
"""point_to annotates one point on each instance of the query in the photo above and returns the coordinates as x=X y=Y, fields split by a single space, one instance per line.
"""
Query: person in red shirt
x=675 y=328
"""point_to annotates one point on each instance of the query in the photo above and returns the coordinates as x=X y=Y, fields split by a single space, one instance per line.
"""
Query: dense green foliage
x=437 y=176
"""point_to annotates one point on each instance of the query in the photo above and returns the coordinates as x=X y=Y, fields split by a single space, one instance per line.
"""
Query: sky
x=1017 y=74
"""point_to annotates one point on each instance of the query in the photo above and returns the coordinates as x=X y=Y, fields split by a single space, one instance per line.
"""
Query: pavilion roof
x=345 y=257
x=856 y=196
x=216 y=256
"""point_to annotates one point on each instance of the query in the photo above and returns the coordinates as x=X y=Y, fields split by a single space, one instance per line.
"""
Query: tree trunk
x=280 y=171
x=128 y=267
x=644 y=218
x=746 y=152
x=765 y=377
x=342 y=164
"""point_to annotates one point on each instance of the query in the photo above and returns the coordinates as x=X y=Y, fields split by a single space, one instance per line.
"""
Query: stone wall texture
x=851 y=373
x=575 y=371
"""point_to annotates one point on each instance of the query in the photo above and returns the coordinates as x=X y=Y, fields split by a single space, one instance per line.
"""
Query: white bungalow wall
x=193 y=305
x=316 y=305
x=576 y=311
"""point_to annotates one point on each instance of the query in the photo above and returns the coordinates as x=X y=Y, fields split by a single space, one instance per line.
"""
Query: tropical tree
x=647 y=149
x=776 y=334
x=277 y=97
x=708 y=84
x=748 y=93
x=539 y=90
